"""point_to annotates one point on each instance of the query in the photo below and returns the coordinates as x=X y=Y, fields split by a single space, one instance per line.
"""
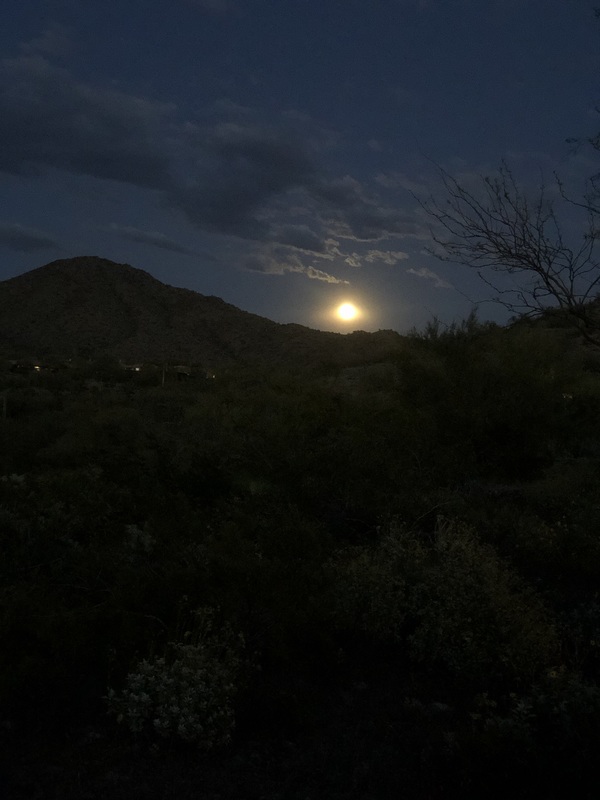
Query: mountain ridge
x=89 y=306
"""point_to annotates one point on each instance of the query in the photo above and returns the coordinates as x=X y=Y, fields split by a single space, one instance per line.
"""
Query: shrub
x=372 y=585
x=450 y=599
x=546 y=741
x=186 y=694
x=477 y=617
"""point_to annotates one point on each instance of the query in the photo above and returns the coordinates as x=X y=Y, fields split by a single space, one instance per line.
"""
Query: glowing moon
x=347 y=311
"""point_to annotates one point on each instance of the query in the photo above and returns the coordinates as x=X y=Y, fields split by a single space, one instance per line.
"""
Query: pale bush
x=186 y=695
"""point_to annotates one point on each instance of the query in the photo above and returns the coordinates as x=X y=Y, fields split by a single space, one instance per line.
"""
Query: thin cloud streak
x=279 y=262
x=430 y=275
x=152 y=238
x=25 y=240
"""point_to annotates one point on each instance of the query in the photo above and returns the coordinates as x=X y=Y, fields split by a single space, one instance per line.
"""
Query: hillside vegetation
x=367 y=582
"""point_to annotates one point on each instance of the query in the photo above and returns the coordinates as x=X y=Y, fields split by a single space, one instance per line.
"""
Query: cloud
x=244 y=168
x=429 y=275
x=230 y=175
x=375 y=145
x=300 y=237
x=357 y=260
x=55 y=41
x=152 y=238
x=279 y=262
x=225 y=107
x=319 y=275
x=370 y=222
x=48 y=119
x=221 y=176
x=390 y=257
x=25 y=240
x=261 y=152
x=399 y=180
x=341 y=192
x=359 y=216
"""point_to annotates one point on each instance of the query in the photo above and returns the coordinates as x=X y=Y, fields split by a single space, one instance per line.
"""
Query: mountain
x=89 y=306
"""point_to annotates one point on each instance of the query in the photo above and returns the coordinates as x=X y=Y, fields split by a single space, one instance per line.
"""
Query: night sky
x=268 y=151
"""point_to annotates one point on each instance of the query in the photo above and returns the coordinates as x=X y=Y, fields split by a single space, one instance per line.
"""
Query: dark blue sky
x=267 y=151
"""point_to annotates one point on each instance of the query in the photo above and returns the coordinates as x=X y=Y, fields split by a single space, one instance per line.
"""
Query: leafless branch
x=500 y=231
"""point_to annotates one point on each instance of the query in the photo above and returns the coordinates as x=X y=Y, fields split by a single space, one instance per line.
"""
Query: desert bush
x=475 y=616
x=186 y=694
x=547 y=737
x=450 y=598
x=372 y=585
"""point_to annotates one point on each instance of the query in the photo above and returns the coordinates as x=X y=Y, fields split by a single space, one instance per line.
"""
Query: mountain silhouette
x=92 y=307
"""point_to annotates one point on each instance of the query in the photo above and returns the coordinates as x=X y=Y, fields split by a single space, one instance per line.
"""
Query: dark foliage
x=372 y=583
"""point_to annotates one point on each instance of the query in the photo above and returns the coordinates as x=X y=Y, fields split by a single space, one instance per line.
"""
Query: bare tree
x=517 y=246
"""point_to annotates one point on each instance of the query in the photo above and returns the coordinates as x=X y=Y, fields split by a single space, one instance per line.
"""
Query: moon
x=347 y=312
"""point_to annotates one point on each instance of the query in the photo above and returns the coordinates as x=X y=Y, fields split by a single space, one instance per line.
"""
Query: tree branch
x=500 y=231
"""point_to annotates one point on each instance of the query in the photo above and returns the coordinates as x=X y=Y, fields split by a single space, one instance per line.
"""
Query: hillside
x=90 y=306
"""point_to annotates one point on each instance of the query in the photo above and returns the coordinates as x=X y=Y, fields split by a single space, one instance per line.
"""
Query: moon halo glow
x=347 y=312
